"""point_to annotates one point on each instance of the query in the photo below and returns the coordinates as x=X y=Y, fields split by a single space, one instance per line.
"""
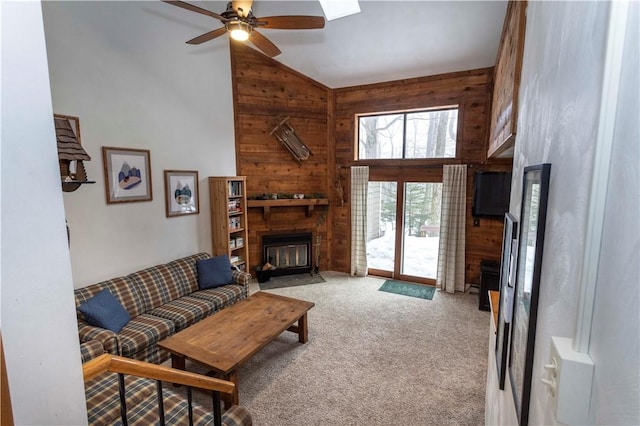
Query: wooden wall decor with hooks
x=340 y=183
x=287 y=136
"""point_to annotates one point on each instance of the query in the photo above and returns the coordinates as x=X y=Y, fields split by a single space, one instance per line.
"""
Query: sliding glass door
x=421 y=229
x=381 y=227
x=406 y=248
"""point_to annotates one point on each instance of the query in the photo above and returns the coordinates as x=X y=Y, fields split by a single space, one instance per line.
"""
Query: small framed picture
x=127 y=174
x=181 y=192
x=509 y=251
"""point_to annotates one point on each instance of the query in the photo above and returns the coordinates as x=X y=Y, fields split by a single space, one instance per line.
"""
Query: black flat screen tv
x=491 y=194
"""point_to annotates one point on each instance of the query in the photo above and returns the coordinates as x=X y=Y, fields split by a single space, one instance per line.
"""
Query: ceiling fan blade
x=208 y=36
x=196 y=9
x=264 y=44
x=242 y=7
x=291 y=22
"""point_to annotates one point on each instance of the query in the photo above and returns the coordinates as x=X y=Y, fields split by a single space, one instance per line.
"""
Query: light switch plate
x=573 y=382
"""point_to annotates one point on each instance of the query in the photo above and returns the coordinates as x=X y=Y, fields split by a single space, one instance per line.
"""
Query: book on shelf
x=235 y=189
x=236 y=243
x=234 y=206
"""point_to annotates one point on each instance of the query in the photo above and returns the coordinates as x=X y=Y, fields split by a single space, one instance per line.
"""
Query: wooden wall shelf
x=494 y=303
x=72 y=185
x=266 y=205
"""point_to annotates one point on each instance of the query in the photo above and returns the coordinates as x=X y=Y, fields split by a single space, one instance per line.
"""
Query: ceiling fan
x=241 y=24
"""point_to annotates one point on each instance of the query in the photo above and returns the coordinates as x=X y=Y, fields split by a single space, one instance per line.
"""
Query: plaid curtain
x=359 y=185
x=450 y=276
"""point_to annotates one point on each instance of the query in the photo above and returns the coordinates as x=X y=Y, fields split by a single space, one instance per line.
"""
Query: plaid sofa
x=103 y=400
x=161 y=301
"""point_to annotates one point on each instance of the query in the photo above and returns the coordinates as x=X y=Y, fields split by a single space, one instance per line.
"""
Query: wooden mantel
x=266 y=205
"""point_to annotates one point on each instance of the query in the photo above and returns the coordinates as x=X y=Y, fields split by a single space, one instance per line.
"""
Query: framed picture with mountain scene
x=181 y=192
x=127 y=174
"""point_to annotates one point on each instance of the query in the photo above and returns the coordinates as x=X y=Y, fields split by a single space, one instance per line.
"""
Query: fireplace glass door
x=289 y=256
x=290 y=253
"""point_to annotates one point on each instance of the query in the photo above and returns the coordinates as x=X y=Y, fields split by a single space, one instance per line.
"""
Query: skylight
x=334 y=9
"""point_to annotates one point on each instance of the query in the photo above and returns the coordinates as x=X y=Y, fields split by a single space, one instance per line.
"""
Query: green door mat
x=407 y=289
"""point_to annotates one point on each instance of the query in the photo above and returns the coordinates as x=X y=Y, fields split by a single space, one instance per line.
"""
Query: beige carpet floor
x=373 y=358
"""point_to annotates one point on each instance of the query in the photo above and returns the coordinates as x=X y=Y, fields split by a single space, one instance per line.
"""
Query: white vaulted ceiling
x=387 y=40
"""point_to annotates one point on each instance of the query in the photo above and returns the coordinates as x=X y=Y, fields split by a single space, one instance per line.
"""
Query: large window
x=408 y=135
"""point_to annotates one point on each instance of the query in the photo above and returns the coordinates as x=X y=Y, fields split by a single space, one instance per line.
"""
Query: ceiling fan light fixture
x=239 y=22
x=239 y=30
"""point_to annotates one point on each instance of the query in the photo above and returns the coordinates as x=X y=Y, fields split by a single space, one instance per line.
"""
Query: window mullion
x=404 y=135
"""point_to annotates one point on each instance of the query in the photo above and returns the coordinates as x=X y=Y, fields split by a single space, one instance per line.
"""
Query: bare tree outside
x=427 y=134
x=432 y=134
x=380 y=136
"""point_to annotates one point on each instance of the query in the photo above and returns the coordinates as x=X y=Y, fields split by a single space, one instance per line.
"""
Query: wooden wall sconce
x=70 y=153
x=287 y=136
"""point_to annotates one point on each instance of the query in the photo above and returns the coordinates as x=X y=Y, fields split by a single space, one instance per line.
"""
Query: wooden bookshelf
x=228 y=207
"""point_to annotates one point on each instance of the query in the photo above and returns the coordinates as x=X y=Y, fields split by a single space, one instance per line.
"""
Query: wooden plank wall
x=504 y=114
x=263 y=90
x=484 y=242
x=324 y=119
x=471 y=91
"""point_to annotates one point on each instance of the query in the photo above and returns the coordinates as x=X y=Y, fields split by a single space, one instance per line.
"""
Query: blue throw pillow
x=214 y=272
x=105 y=310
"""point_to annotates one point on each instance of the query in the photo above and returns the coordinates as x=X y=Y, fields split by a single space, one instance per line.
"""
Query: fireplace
x=290 y=253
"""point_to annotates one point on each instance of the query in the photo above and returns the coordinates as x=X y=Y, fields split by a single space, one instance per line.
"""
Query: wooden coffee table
x=228 y=338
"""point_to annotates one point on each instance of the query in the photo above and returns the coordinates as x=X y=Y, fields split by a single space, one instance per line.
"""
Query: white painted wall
x=38 y=320
x=558 y=117
x=615 y=336
x=124 y=69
